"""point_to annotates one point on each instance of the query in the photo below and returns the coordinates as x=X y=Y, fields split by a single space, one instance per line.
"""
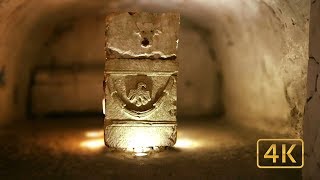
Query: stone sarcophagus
x=140 y=82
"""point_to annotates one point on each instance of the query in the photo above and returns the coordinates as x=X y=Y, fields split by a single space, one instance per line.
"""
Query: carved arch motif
x=136 y=113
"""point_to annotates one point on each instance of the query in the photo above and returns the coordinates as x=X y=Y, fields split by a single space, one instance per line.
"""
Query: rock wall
x=311 y=133
x=71 y=69
x=26 y=27
x=262 y=50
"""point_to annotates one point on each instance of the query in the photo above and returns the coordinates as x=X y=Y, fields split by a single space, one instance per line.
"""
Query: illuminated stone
x=141 y=81
x=142 y=35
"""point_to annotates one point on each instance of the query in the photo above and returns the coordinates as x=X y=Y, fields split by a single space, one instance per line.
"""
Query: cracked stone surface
x=142 y=35
x=312 y=109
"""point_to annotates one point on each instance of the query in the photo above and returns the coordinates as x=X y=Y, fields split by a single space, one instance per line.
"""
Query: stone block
x=140 y=93
x=141 y=97
x=140 y=83
x=142 y=35
x=131 y=136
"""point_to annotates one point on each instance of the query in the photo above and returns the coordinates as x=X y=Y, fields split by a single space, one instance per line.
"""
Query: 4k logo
x=280 y=153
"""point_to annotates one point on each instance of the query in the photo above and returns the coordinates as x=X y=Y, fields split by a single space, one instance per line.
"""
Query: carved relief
x=173 y=111
x=147 y=31
x=140 y=79
x=137 y=35
x=141 y=97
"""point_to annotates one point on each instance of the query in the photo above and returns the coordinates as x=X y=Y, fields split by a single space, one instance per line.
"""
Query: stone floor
x=72 y=148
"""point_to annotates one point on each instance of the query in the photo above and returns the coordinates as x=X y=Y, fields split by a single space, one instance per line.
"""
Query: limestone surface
x=141 y=94
x=142 y=35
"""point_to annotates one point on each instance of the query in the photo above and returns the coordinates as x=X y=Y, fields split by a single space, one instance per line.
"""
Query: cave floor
x=72 y=148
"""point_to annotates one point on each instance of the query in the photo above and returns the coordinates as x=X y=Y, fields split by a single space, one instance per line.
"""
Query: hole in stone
x=145 y=42
x=131 y=13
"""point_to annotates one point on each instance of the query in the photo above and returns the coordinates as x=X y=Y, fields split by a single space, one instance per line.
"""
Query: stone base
x=139 y=136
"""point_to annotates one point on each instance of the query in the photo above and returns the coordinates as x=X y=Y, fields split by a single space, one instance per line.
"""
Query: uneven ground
x=72 y=148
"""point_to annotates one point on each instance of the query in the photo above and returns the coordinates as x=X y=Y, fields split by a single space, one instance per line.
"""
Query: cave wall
x=71 y=69
x=261 y=47
x=311 y=133
x=257 y=49
x=26 y=27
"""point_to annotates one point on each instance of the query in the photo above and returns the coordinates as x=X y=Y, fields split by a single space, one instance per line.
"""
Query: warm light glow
x=140 y=154
x=104 y=106
x=140 y=141
x=138 y=150
x=185 y=143
x=95 y=140
x=94 y=134
x=93 y=144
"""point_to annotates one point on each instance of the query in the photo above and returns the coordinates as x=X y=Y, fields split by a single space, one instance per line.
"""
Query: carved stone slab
x=142 y=35
x=140 y=81
x=141 y=97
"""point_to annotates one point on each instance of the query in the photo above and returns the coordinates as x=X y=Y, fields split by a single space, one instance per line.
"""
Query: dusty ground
x=60 y=149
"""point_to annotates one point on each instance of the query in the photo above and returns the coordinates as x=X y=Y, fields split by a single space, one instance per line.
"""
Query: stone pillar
x=140 y=82
x=311 y=132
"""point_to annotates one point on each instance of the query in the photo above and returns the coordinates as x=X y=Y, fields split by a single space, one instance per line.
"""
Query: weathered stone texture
x=263 y=50
x=142 y=135
x=142 y=35
x=311 y=132
x=141 y=94
x=158 y=105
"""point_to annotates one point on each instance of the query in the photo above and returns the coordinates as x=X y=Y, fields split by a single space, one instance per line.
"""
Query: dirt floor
x=72 y=148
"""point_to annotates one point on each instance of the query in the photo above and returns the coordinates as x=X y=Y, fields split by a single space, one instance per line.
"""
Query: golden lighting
x=185 y=143
x=140 y=140
x=93 y=143
x=140 y=154
x=94 y=134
